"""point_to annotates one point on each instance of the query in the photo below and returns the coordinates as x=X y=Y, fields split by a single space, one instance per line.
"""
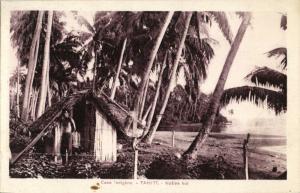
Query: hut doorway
x=85 y=120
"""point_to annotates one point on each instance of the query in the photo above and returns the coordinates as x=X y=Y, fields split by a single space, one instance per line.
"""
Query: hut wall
x=105 y=148
x=57 y=140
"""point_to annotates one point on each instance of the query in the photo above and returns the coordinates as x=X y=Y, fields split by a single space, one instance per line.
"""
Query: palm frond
x=277 y=52
x=265 y=76
x=221 y=19
x=281 y=51
x=275 y=100
x=198 y=55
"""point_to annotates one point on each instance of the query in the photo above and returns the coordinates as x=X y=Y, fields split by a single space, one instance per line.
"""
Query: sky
x=264 y=34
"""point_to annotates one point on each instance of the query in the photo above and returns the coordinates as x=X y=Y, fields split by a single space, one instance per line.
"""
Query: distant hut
x=98 y=119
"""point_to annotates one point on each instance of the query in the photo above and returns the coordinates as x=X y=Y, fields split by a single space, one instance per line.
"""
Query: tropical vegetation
x=136 y=58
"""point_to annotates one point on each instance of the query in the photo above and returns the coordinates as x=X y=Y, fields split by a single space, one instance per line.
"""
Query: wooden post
x=245 y=156
x=136 y=154
x=173 y=138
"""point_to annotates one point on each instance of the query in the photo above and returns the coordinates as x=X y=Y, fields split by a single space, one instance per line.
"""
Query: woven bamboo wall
x=105 y=147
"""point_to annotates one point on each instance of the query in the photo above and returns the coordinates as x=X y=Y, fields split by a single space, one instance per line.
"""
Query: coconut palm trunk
x=144 y=100
x=114 y=87
x=95 y=70
x=49 y=94
x=150 y=63
x=149 y=137
x=191 y=152
x=153 y=107
x=18 y=90
x=45 y=70
x=31 y=65
x=146 y=113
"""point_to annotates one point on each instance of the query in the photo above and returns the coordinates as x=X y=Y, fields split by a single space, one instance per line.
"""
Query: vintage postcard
x=150 y=96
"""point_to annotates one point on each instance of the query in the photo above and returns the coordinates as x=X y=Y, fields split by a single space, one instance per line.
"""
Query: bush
x=167 y=167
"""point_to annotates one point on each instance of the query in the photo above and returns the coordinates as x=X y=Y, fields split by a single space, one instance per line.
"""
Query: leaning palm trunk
x=150 y=63
x=45 y=70
x=153 y=107
x=146 y=113
x=144 y=100
x=31 y=65
x=137 y=104
x=114 y=87
x=149 y=137
x=217 y=94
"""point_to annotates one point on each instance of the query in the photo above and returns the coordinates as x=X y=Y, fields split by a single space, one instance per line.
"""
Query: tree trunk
x=150 y=135
x=148 y=124
x=49 y=94
x=191 y=152
x=46 y=63
x=95 y=69
x=150 y=62
x=144 y=100
x=146 y=113
x=18 y=92
x=114 y=87
x=31 y=66
x=34 y=103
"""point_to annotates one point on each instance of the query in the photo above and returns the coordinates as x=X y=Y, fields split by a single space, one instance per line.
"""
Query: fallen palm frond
x=275 y=100
x=265 y=76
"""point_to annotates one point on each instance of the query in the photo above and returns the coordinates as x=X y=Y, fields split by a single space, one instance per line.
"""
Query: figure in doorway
x=67 y=126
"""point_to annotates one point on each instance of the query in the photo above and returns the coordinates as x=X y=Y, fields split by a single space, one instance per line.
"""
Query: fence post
x=136 y=158
x=245 y=156
x=136 y=154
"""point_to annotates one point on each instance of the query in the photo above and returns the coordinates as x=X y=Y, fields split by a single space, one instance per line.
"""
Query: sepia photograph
x=120 y=95
x=147 y=95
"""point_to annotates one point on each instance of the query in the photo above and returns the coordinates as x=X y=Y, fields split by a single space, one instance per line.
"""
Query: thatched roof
x=54 y=111
x=115 y=113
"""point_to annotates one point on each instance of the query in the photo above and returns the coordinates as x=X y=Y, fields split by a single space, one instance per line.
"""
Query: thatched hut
x=98 y=119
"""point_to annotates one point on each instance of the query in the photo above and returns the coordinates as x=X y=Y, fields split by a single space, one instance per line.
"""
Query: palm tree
x=270 y=84
x=17 y=78
x=196 y=55
x=114 y=86
x=262 y=77
x=46 y=63
x=93 y=38
x=150 y=64
x=191 y=152
x=64 y=57
x=157 y=92
x=31 y=64
x=150 y=134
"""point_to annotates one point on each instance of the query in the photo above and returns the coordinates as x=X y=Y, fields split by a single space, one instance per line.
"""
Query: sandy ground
x=267 y=155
